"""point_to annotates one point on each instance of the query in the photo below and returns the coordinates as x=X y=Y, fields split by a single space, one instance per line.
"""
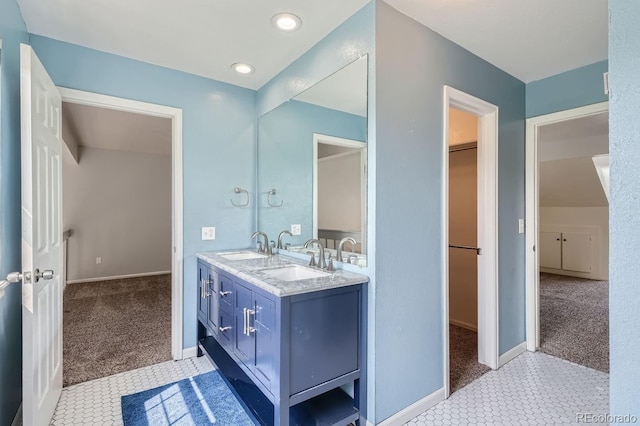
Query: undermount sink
x=294 y=273
x=243 y=255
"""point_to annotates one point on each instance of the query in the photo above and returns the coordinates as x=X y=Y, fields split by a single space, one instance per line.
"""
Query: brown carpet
x=115 y=326
x=464 y=367
x=574 y=320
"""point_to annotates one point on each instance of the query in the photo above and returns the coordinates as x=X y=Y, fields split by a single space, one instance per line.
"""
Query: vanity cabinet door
x=264 y=329
x=203 y=307
x=243 y=342
x=213 y=314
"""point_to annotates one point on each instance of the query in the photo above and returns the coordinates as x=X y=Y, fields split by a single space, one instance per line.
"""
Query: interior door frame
x=487 y=113
x=177 y=255
x=532 y=276
x=348 y=143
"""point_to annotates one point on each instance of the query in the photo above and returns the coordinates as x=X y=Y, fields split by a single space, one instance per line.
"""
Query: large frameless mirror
x=312 y=166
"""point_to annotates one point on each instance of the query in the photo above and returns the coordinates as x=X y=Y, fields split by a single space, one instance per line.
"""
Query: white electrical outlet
x=98 y=260
x=208 y=233
x=521 y=226
x=296 y=229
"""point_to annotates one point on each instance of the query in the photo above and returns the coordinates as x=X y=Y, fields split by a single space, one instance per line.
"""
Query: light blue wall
x=285 y=161
x=571 y=89
x=624 y=138
x=218 y=142
x=354 y=38
x=413 y=64
x=12 y=32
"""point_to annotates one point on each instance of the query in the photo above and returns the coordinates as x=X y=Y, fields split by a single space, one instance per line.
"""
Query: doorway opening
x=568 y=235
x=474 y=261
x=463 y=250
x=122 y=211
x=340 y=194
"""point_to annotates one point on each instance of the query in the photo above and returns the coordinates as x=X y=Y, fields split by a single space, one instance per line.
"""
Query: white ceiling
x=202 y=37
x=529 y=39
x=102 y=128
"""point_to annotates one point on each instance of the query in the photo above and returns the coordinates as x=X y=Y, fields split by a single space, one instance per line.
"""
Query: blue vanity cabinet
x=288 y=357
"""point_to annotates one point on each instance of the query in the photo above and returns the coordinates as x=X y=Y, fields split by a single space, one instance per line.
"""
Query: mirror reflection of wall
x=336 y=107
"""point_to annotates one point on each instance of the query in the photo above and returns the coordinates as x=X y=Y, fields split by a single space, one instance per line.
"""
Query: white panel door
x=41 y=109
x=550 y=250
x=576 y=252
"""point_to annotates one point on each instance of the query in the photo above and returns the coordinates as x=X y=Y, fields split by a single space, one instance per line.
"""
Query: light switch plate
x=521 y=226
x=98 y=260
x=208 y=233
x=296 y=229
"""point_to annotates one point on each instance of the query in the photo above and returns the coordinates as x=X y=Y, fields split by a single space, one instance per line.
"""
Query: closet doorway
x=463 y=250
x=470 y=246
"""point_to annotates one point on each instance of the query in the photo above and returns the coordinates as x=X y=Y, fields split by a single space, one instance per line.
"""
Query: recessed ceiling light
x=242 y=68
x=286 y=21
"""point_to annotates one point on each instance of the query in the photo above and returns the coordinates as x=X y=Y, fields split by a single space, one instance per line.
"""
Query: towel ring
x=271 y=192
x=239 y=190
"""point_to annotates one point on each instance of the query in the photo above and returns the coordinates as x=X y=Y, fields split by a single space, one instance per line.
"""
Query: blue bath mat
x=200 y=400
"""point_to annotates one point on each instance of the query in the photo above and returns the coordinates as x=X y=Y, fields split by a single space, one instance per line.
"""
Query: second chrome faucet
x=321 y=262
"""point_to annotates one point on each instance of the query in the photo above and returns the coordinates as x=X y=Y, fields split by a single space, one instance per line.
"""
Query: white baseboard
x=512 y=353
x=190 y=352
x=463 y=324
x=17 y=420
x=117 y=277
x=415 y=409
x=585 y=275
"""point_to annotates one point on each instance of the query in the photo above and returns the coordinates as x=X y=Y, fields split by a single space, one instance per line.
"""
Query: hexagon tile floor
x=533 y=389
x=97 y=402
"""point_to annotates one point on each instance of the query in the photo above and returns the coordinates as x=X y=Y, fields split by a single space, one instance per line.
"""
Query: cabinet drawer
x=225 y=330
x=225 y=294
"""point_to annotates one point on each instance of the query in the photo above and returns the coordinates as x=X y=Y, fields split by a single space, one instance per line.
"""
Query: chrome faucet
x=280 y=247
x=321 y=262
x=263 y=247
x=341 y=244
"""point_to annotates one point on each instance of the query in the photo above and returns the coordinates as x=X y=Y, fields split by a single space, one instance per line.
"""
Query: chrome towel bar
x=477 y=249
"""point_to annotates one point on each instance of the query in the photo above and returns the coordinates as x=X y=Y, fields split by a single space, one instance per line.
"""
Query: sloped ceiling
x=103 y=128
x=568 y=177
x=571 y=183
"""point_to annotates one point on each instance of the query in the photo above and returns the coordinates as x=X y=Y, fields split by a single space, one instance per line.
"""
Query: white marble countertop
x=252 y=271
